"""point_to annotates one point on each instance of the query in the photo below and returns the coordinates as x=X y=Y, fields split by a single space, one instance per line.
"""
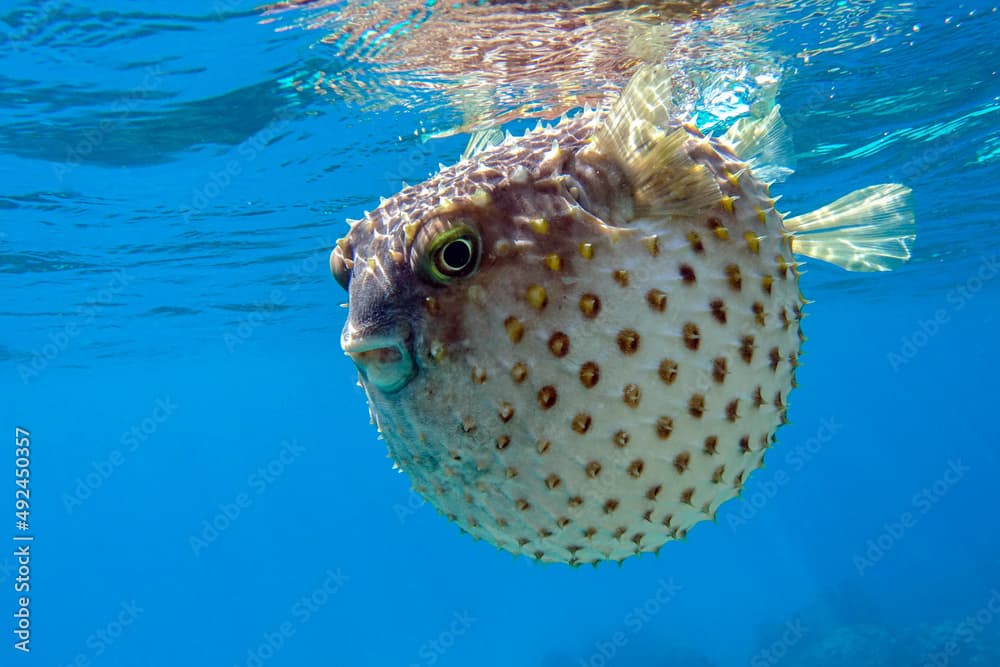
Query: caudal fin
x=868 y=230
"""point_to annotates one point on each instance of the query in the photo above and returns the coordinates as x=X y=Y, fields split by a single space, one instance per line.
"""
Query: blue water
x=206 y=488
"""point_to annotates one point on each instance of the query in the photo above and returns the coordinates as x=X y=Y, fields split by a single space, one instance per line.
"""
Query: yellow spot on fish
x=515 y=330
x=539 y=225
x=761 y=215
x=503 y=248
x=590 y=305
x=371 y=264
x=766 y=283
x=587 y=250
x=695 y=241
x=727 y=204
x=396 y=256
x=480 y=198
x=718 y=229
x=734 y=180
x=553 y=262
x=782 y=265
x=410 y=231
x=652 y=244
x=446 y=206
x=476 y=294
x=753 y=243
x=537 y=297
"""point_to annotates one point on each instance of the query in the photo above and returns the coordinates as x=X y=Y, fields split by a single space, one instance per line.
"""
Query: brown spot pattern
x=559 y=344
x=631 y=395
x=775 y=357
x=696 y=406
x=657 y=300
x=668 y=371
x=692 y=336
x=547 y=397
x=719 y=369
x=519 y=373
x=628 y=341
x=735 y=277
x=590 y=374
x=718 y=307
x=590 y=305
x=515 y=330
x=682 y=462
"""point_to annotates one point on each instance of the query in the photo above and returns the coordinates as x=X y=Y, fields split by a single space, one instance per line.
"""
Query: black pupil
x=457 y=254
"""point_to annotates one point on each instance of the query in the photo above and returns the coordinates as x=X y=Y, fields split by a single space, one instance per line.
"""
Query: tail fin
x=868 y=230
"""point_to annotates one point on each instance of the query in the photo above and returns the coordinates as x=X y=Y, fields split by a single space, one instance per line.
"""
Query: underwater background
x=205 y=486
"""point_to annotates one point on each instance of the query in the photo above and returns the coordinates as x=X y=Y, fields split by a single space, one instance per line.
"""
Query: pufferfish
x=579 y=343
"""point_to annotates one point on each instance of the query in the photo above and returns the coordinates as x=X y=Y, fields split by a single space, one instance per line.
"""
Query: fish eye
x=453 y=253
x=456 y=256
x=340 y=266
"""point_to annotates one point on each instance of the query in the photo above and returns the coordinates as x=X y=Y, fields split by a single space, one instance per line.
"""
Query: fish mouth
x=383 y=361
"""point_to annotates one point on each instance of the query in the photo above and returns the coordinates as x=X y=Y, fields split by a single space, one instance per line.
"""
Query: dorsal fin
x=638 y=136
x=765 y=143
x=868 y=230
x=481 y=140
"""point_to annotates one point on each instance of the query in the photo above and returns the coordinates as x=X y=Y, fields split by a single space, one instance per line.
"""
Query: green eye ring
x=453 y=253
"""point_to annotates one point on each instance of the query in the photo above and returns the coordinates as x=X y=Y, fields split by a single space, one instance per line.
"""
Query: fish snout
x=384 y=360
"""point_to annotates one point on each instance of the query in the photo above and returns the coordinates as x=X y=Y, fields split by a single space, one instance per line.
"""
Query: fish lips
x=384 y=361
